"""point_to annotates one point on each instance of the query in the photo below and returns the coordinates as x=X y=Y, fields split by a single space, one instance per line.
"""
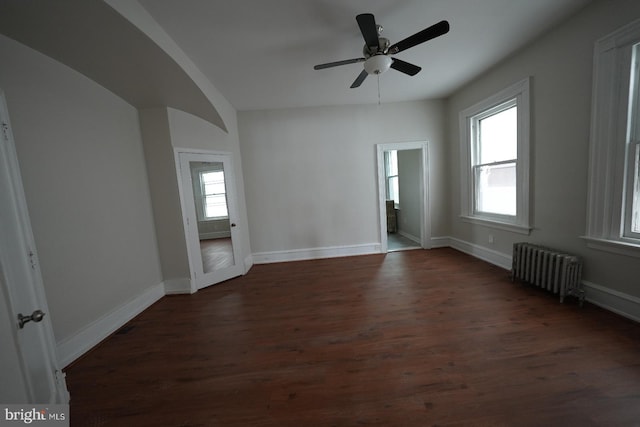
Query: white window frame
x=518 y=95
x=632 y=188
x=632 y=151
x=611 y=147
x=203 y=196
x=199 y=196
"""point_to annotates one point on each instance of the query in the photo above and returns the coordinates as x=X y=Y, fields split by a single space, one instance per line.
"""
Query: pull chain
x=378 y=89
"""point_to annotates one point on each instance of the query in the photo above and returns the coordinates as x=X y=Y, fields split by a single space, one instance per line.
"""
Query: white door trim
x=19 y=263
x=425 y=221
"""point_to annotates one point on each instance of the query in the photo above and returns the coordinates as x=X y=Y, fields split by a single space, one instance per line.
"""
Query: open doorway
x=403 y=196
x=402 y=178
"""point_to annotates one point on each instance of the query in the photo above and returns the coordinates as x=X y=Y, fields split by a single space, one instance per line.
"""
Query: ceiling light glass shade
x=377 y=64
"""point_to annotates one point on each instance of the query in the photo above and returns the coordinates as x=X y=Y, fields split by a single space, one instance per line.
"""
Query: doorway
x=208 y=198
x=403 y=196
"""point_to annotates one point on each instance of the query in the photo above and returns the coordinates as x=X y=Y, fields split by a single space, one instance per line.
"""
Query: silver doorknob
x=35 y=317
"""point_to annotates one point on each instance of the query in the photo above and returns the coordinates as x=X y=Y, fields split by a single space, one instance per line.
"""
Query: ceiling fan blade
x=338 y=63
x=405 y=67
x=427 y=34
x=363 y=75
x=369 y=30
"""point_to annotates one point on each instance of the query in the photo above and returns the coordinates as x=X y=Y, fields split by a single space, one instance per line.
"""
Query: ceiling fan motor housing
x=376 y=50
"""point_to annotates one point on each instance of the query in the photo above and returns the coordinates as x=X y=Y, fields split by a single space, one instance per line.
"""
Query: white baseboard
x=409 y=236
x=214 y=235
x=480 y=252
x=440 y=242
x=75 y=346
x=315 y=253
x=178 y=286
x=620 y=303
x=248 y=263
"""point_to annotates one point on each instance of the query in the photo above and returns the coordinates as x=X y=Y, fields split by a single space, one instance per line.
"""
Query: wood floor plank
x=413 y=338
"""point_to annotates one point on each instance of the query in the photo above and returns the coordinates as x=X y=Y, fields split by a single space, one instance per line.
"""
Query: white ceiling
x=260 y=53
x=92 y=38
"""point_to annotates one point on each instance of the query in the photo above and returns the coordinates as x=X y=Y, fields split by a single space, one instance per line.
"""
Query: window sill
x=613 y=246
x=514 y=228
x=217 y=219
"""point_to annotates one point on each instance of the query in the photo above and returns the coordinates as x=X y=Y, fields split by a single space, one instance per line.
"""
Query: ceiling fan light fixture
x=377 y=64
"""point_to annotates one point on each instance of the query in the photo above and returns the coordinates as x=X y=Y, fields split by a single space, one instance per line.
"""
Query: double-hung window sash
x=632 y=178
x=214 y=195
x=632 y=211
x=495 y=157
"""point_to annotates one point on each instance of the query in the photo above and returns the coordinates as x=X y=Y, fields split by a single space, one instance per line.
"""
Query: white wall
x=310 y=173
x=561 y=66
x=165 y=198
x=187 y=131
x=82 y=163
x=191 y=132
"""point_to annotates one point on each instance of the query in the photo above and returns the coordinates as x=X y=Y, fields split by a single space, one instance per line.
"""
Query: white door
x=29 y=369
x=207 y=190
x=11 y=373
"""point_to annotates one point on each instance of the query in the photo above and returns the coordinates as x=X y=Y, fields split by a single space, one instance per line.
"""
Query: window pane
x=213 y=176
x=635 y=208
x=394 y=192
x=214 y=188
x=496 y=189
x=213 y=182
x=498 y=136
x=392 y=162
x=216 y=206
x=634 y=135
x=214 y=194
x=634 y=92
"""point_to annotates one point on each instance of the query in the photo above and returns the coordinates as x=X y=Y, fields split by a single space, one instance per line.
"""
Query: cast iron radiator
x=548 y=269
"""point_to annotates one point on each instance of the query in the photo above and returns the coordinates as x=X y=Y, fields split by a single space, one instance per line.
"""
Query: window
x=495 y=154
x=214 y=198
x=391 y=172
x=632 y=178
x=633 y=199
x=613 y=211
x=495 y=160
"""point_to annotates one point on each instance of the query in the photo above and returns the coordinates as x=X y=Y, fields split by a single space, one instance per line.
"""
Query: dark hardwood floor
x=415 y=338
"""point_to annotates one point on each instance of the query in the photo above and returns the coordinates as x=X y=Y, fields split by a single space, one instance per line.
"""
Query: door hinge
x=5 y=131
x=61 y=381
x=60 y=376
x=32 y=260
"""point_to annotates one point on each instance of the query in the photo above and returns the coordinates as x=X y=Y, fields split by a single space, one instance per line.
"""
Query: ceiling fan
x=377 y=49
